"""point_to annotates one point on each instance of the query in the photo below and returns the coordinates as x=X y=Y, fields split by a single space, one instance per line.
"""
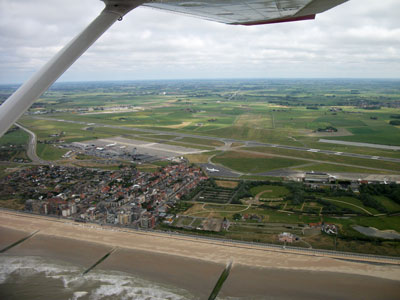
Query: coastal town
x=125 y=197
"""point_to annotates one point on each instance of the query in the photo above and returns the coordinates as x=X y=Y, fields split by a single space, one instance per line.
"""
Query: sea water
x=39 y=278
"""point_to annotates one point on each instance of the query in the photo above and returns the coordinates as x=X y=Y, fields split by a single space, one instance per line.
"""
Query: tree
x=370 y=201
x=394 y=122
x=237 y=217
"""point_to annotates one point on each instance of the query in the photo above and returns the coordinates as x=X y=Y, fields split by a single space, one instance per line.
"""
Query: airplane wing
x=247 y=12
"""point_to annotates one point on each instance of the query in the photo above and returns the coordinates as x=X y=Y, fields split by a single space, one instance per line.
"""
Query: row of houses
x=127 y=196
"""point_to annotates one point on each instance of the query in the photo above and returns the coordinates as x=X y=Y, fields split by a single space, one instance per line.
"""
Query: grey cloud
x=360 y=38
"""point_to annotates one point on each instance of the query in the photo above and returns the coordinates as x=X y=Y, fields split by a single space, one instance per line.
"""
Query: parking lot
x=123 y=148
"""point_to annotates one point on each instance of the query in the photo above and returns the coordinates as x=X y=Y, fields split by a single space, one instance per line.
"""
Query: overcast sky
x=360 y=38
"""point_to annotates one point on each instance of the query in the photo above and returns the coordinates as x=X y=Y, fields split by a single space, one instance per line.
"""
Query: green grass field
x=276 y=115
x=384 y=134
x=379 y=222
x=271 y=191
x=73 y=132
x=356 y=204
x=390 y=205
x=200 y=147
x=340 y=169
x=311 y=142
x=199 y=141
x=15 y=137
x=160 y=136
x=359 y=162
x=250 y=163
x=49 y=152
x=114 y=131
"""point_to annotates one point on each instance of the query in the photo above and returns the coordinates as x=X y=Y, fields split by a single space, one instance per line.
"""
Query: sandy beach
x=195 y=265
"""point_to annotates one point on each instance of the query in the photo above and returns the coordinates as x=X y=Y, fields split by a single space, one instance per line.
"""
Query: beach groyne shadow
x=99 y=261
x=221 y=281
x=18 y=242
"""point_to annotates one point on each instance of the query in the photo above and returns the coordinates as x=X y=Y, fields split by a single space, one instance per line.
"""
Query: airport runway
x=220 y=171
x=226 y=140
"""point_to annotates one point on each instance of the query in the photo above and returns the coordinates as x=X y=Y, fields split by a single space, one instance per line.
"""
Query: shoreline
x=190 y=263
x=185 y=246
x=347 y=256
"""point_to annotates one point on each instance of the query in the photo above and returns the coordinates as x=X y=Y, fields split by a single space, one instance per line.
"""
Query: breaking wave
x=96 y=285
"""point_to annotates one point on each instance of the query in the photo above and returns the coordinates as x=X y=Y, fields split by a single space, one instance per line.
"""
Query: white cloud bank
x=360 y=38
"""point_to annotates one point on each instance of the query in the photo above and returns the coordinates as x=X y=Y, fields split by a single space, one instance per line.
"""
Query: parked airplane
x=212 y=170
x=234 y=12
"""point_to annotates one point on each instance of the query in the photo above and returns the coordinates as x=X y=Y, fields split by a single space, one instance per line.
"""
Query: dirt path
x=257 y=197
x=217 y=211
x=363 y=209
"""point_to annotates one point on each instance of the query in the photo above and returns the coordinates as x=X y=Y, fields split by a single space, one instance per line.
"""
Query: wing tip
x=274 y=21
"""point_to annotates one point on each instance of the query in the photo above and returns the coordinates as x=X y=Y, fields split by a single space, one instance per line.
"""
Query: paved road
x=31 y=151
x=226 y=140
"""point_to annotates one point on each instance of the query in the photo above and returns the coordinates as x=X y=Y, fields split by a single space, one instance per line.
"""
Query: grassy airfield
x=287 y=112
x=264 y=111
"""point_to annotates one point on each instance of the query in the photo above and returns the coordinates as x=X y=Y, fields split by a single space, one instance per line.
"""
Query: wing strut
x=19 y=102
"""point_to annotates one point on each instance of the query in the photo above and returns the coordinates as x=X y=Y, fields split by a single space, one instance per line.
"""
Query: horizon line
x=216 y=79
